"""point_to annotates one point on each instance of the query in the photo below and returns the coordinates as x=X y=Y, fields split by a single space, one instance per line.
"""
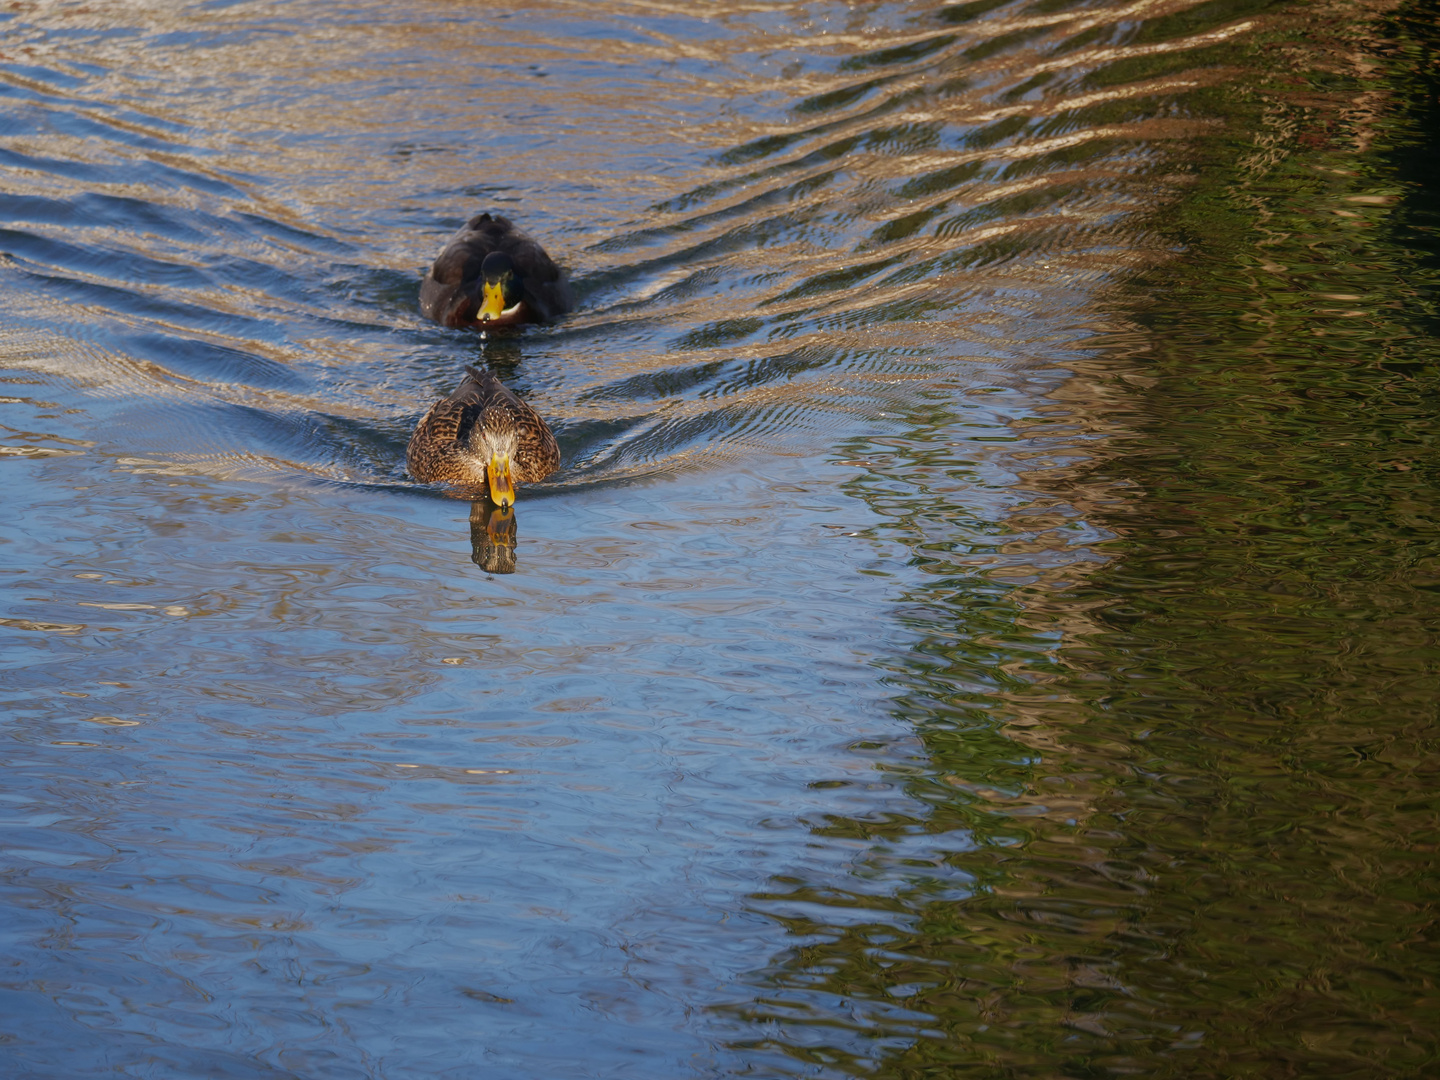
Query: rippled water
x=985 y=624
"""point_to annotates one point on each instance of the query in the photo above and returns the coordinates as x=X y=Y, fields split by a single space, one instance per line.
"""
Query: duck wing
x=439 y=448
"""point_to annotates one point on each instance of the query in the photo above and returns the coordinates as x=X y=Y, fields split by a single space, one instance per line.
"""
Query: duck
x=482 y=438
x=490 y=275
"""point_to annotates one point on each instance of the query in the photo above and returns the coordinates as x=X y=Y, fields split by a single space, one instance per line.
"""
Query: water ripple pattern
x=771 y=218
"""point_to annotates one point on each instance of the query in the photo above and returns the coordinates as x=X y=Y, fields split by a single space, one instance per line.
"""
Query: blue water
x=293 y=786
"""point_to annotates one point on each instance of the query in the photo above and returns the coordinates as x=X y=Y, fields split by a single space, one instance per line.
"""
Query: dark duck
x=492 y=275
x=482 y=438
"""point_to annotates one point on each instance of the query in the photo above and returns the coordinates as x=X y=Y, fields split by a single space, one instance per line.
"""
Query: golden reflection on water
x=785 y=202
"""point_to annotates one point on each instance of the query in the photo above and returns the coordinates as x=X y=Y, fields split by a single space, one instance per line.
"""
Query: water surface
x=985 y=624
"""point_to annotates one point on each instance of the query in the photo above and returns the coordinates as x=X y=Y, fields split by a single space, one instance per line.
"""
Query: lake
x=985 y=624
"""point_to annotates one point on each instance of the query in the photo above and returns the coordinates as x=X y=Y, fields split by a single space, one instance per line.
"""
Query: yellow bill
x=492 y=301
x=502 y=484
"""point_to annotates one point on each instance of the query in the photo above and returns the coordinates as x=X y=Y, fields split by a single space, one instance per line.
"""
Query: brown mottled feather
x=446 y=446
x=451 y=291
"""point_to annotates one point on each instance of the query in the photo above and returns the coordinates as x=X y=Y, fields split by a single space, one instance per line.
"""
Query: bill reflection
x=492 y=537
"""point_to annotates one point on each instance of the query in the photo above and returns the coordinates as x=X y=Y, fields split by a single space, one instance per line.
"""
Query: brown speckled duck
x=492 y=275
x=482 y=438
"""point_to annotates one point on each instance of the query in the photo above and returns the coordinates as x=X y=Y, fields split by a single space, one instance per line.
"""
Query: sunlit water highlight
x=912 y=671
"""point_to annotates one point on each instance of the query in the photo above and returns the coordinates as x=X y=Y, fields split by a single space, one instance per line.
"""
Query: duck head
x=500 y=289
x=494 y=442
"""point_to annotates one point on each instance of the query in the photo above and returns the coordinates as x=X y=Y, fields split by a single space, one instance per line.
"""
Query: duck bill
x=502 y=484
x=492 y=301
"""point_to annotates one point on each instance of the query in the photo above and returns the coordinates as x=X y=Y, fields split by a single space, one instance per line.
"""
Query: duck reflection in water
x=492 y=537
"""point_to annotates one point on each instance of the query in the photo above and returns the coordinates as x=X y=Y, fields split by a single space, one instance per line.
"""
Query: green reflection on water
x=1174 y=811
